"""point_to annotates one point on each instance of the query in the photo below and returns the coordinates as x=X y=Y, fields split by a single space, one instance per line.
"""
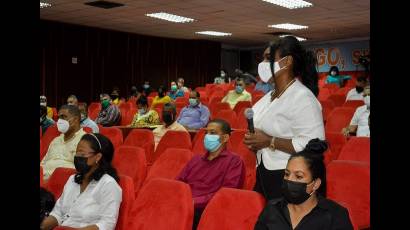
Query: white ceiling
x=247 y=20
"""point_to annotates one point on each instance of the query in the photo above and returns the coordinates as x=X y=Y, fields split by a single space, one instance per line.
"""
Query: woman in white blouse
x=91 y=198
x=289 y=116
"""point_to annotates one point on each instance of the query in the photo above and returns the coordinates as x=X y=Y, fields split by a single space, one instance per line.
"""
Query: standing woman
x=286 y=118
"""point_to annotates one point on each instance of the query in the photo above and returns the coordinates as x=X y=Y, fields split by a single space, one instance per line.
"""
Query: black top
x=327 y=215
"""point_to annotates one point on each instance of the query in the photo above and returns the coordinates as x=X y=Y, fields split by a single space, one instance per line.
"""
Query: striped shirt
x=109 y=117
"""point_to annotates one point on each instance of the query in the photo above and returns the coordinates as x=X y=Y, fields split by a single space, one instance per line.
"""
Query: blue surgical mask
x=193 y=102
x=212 y=142
x=146 y=86
x=141 y=111
x=239 y=89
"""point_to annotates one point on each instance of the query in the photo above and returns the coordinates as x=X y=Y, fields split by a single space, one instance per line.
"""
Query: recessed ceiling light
x=170 y=17
x=288 y=26
x=290 y=4
x=299 y=38
x=214 y=33
x=44 y=5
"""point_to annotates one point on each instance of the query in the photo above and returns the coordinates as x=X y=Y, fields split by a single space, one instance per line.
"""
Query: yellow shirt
x=116 y=101
x=146 y=120
x=50 y=113
x=60 y=153
x=164 y=100
x=160 y=131
x=232 y=97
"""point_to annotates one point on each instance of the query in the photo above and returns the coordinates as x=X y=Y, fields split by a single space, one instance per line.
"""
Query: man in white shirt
x=359 y=124
x=357 y=93
x=62 y=149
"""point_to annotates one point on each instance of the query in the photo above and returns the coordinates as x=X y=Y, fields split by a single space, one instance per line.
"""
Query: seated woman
x=144 y=117
x=335 y=78
x=91 y=198
x=303 y=205
x=162 y=98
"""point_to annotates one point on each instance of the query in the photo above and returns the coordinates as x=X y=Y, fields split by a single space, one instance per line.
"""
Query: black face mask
x=294 y=192
x=359 y=89
x=168 y=118
x=81 y=165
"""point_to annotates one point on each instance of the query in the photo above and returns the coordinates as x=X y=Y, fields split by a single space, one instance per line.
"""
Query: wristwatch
x=272 y=144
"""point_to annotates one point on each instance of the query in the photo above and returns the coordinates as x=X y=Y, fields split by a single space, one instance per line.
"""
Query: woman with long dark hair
x=289 y=116
x=91 y=198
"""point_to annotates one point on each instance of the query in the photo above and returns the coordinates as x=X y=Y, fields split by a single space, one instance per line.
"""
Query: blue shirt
x=91 y=124
x=194 y=117
x=264 y=87
x=178 y=93
x=336 y=79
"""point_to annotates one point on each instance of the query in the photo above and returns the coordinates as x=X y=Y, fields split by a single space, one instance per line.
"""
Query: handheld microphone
x=249 y=117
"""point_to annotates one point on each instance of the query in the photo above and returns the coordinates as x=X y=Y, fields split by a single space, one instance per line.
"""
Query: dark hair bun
x=316 y=146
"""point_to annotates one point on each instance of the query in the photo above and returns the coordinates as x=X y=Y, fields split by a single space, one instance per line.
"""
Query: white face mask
x=367 y=101
x=43 y=103
x=333 y=73
x=277 y=67
x=264 y=71
x=63 y=125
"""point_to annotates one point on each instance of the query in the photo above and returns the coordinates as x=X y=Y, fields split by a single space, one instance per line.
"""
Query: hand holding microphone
x=255 y=139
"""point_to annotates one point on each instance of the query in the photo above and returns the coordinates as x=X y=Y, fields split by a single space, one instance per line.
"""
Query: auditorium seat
x=327 y=108
x=256 y=97
x=171 y=139
x=150 y=99
x=228 y=115
x=163 y=204
x=182 y=100
x=141 y=138
x=123 y=113
x=353 y=103
x=57 y=180
x=153 y=94
x=336 y=141
x=343 y=91
x=49 y=135
x=338 y=119
x=198 y=142
x=93 y=114
x=128 y=198
x=130 y=161
x=94 y=106
x=170 y=164
x=356 y=149
x=218 y=106
x=214 y=99
x=324 y=94
x=337 y=99
x=114 y=134
x=349 y=182
x=332 y=87
x=242 y=122
x=41 y=177
x=232 y=209
x=87 y=129
x=240 y=105
x=55 y=113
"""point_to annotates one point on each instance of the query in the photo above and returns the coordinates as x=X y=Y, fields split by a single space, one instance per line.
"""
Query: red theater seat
x=336 y=141
x=353 y=103
x=337 y=99
x=57 y=180
x=141 y=138
x=218 y=106
x=356 y=149
x=232 y=209
x=324 y=94
x=171 y=139
x=338 y=119
x=228 y=115
x=114 y=134
x=241 y=105
x=256 y=96
x=163 y=204
x=198 y=143
x=51 y=133
x=128 y=197
x=327 y=108
x=349 y=182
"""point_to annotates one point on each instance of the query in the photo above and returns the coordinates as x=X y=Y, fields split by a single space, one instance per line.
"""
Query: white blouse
x=296 y=115
x=361 y=119
x=98 y=204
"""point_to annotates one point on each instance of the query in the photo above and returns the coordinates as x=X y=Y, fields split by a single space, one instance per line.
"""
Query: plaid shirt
x=109 y=117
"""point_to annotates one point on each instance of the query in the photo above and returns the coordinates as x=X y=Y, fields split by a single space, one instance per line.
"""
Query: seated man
x=45 y=122
x=175 y=92
x=43 y=102
x=237 y=95
x=110 y=114
x=216 y=169
x=357 y=93
x=144 y=117
x=169 y=117
x=63 y=148
x=360 y=121
x=85 y=120
x=146 y=89
x=195 y=115
x=72 y=100
x=180 y=83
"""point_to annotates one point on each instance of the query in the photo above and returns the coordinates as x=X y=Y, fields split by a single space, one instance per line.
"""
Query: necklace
x=286 y=87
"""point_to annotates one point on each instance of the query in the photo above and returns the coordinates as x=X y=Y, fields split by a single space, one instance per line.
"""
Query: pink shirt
x=206 y=177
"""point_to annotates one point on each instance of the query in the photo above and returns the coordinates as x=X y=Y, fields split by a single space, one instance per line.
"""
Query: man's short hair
x=105 y=95
x=142 y=101
x=170 y=107
x=225 y=127
x=73 y=110
x=198 y=95
x=72 y=96
x=361 y=79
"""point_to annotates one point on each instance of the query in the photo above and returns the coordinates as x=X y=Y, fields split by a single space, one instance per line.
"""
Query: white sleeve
x=307 y=122
x=356 y=116
x=58 y=211
x=110 y=197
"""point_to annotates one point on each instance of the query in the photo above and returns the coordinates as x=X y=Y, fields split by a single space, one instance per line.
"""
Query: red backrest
x=57 y=180
x=349 y=182
x=128 y=197
x=332 y=87
x=124 y=113
x=356 y=149
x=232 y=209
x=216 y=91
x=130 y=115
x=51 y=133
x=153 y=94
x=336 y=141
x=172 y=139
x=94 y=114
x=87 y=129
x=198 y=143
x=41 y=177
x=182 y=100
x=343 y=91
x=94 y=106
x=250 y=88
x=242 y=122
x=141 y=138
x=240 y=105
x=114 y=134
x=338 y=119
x=150 y=99
x=55 y=113
x=337 y=99
x=125 y=106
x=324 y=94
x=216 y=94
x=256 y=98
x=228 y=115
x=163 y=204
x=200 y=88
x=204 y=100
x=218 y=106
x=170 y=164
x=327 y=108
x=180 y=104
x=130 y=161
x=215 y=99
x=353 y=103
